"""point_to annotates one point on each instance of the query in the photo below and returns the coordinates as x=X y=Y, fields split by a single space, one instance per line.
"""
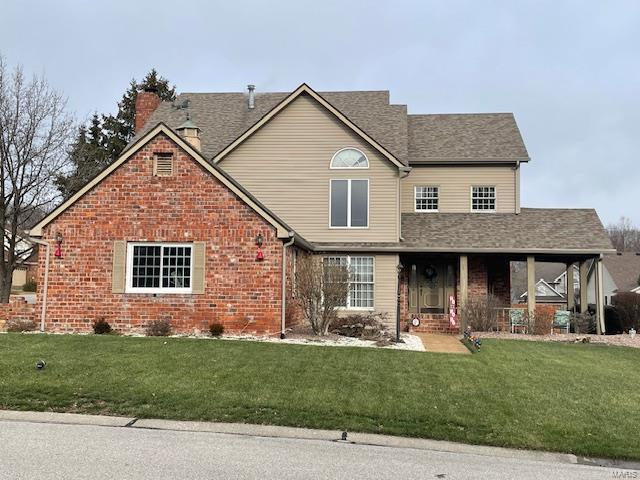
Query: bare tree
x=321 y=287
x=34 y=134
x=624 y=235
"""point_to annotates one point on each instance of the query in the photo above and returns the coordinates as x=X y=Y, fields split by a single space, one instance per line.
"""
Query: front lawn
x=582 y=399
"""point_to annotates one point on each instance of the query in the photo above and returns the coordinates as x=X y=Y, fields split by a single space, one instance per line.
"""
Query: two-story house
x=204 y=214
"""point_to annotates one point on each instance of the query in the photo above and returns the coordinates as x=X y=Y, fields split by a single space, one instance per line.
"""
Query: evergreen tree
x=100 y=143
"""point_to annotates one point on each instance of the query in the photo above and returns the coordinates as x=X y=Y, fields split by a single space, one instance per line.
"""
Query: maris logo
x=625 y=474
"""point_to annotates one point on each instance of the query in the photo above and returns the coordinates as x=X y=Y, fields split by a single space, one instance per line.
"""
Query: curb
x=272 y=431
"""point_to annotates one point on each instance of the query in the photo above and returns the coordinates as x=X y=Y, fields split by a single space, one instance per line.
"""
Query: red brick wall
x=16 y=309
x=131 y=204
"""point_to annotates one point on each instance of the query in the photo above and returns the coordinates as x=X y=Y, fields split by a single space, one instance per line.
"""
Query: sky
x=568 y=70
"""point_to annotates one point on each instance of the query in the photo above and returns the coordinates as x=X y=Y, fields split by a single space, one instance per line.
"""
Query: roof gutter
x=283 y=303
x=401 y=249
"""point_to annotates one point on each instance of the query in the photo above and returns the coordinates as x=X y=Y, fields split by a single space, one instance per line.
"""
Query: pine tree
x=100 y=143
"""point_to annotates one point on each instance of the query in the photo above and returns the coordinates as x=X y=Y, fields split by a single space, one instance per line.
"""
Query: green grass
x=582 y=399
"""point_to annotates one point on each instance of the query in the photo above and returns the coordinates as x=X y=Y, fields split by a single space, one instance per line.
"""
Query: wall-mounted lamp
x=58 y=252
x=259 y=240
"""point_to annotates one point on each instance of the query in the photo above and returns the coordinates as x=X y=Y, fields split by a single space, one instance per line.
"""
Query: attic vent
x=163 y=165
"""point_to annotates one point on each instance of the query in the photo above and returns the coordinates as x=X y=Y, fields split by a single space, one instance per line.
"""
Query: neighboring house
x=204 y=214
x=621 y=274
x=551 y=286
x=27 y=264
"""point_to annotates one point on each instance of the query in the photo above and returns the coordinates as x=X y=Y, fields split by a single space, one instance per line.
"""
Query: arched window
x=349 y=158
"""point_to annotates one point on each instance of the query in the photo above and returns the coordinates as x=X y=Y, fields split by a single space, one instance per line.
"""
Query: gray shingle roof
x=624 y=268
x=223 y=117
x=455 y=137
x=532 y=229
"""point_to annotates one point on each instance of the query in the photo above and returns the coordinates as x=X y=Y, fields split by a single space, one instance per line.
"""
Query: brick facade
x=191 y=205
x=17 y=309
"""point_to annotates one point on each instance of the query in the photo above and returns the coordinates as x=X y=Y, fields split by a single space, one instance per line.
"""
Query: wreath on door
x=431 y=275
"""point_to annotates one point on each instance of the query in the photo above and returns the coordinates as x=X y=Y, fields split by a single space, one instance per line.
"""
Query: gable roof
x=549 y=293
x=305 y=89
x=624 y=268
x=411 y=139
x=223 y=118
x=283 y=230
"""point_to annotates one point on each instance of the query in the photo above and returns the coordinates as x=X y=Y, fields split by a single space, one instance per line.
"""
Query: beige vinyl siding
x=385 y=292
x=386 y=285
x=455 y=184
x=285 y=165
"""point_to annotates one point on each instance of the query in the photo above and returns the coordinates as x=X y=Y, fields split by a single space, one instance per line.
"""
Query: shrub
x=542 y=320
x=627 y=305
x=582 y=323
x=321 y=287
x=370 y=325
x=30 y=286
x=159 y=328
x=101 y=327
x=20 y=325
x=482 y=313
x=216 y=329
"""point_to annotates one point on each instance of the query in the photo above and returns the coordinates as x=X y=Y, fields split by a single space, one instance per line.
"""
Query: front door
x=430 y=284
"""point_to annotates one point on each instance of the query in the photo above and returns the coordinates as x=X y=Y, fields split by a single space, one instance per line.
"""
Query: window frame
x=415 y=199
x=348 y=306
x=495 y=199
x=129 y=288
x=331 y=167
x=349 y=180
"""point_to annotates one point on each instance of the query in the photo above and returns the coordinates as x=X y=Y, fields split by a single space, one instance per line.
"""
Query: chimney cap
x=251 y=87
x=149 y=89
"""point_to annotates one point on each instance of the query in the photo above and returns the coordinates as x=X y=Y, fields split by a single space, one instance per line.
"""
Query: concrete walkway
x=442 y=343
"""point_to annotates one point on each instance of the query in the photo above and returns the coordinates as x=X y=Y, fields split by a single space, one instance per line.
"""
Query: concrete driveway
x=110 y=450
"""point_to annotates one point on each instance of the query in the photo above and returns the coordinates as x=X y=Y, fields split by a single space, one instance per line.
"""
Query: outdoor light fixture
x=58 y=252
x=259 y=242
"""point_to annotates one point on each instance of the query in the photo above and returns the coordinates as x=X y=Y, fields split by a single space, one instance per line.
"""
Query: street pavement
x=64 y=450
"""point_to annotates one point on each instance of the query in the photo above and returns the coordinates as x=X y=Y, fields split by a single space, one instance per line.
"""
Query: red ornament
x=260 y=255
x=58 y=252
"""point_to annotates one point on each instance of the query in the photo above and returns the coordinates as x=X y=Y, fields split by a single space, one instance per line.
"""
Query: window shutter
x=119 y=266
x=199 y=261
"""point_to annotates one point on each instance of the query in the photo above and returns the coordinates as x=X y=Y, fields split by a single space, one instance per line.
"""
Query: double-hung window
x=349 y=204
x=159 y=268
x=483 y=199
x=426 y=199
x=361 y=280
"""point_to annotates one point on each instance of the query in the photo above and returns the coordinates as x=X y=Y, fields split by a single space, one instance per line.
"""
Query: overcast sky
x=569 y=71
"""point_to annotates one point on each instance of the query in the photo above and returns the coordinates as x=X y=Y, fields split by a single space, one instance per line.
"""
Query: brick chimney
x=146 y=103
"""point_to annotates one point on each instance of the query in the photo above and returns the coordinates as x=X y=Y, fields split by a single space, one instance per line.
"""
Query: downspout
x=45 y=287
x=516 y=186
x=284 y=283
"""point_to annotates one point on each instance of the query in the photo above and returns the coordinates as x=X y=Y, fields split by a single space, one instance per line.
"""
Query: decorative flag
x=452 y=311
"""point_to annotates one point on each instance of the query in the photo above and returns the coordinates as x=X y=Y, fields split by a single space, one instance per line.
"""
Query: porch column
x=584 y=286
x=599 y=298
x=531 y=287
x=464 y=289
x=571 y=294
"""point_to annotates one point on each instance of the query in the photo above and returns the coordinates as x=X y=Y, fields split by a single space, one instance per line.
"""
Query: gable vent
x=163 y=165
